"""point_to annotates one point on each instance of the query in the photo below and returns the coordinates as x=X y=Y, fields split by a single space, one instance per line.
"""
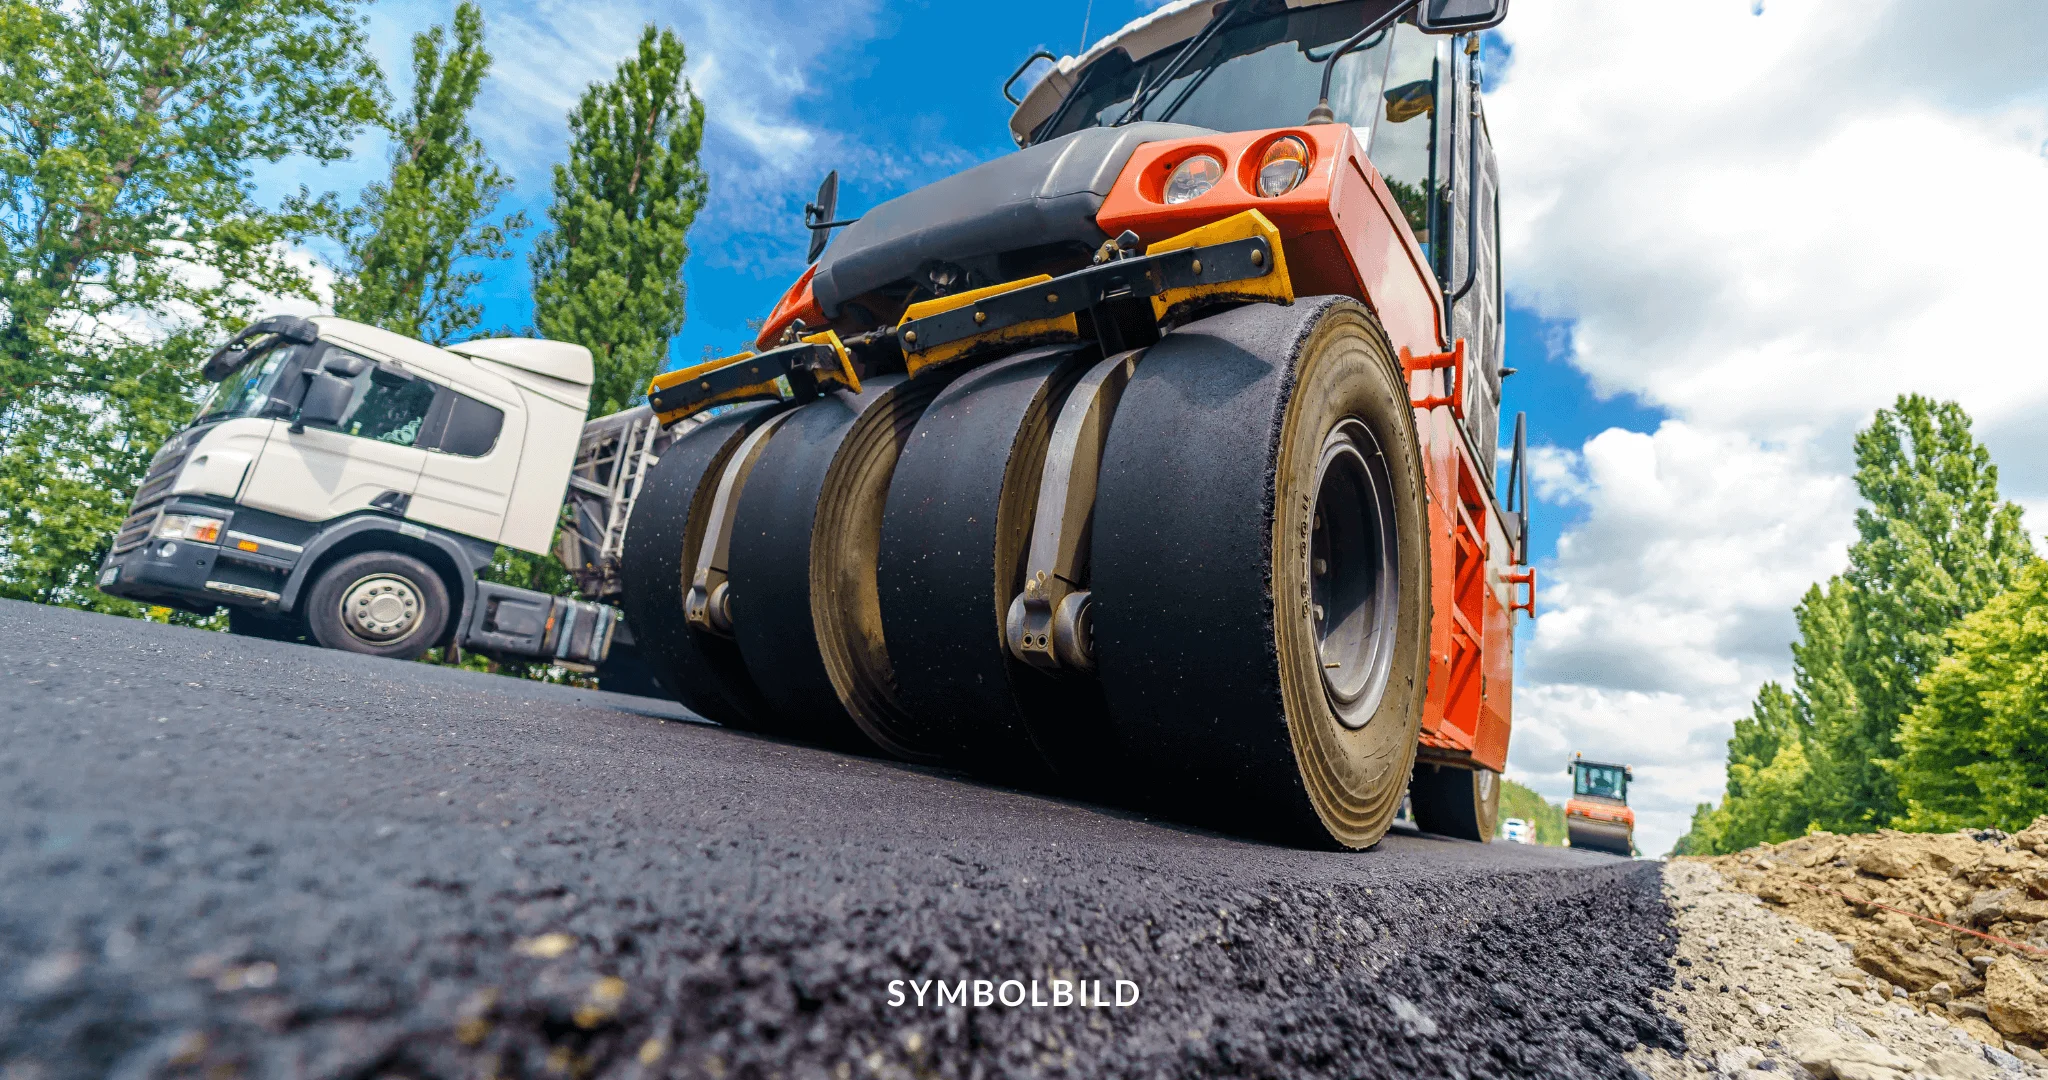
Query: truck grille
x=156 y=485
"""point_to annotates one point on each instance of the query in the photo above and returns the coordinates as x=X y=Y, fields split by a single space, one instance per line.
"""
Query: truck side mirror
x=1459 y=16
x=326 y=401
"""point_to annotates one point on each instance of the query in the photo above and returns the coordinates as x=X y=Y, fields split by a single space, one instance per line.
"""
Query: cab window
x=1403 y=143
x=389 y=405
x=1601 y=782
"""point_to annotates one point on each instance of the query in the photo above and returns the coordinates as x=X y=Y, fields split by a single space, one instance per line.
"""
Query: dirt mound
x=1867 y=890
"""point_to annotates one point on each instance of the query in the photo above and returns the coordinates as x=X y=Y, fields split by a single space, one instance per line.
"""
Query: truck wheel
x=1459 y=803
x=1261 y=573
x=243 y=622
x=379 y=603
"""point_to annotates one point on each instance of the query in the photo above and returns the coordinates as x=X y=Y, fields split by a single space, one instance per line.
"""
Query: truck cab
x=347 y=484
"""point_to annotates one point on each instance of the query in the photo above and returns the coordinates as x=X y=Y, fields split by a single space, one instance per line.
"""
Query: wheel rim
x=1354 y=581
x=381 y=608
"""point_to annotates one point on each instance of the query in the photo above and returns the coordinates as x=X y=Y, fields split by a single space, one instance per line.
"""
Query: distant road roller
x=1153 y=462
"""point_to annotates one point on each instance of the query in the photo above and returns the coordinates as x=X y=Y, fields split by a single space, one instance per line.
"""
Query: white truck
x=347 y=485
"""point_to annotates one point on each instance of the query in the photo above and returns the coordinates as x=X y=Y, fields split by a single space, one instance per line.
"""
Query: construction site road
x=231 y=857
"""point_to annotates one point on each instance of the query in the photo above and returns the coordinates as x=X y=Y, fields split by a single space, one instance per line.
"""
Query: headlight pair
x=1281 y=169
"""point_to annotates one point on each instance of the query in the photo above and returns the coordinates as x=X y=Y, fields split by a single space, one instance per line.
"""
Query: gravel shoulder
x=225 y=857
x=1762 y=997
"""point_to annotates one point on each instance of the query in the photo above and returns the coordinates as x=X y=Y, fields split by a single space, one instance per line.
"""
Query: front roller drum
x=1454 y=801
x=1261 y=574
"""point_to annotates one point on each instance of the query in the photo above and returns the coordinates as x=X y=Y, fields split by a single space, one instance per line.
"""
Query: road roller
x=1152 y=463
x=1598 y=817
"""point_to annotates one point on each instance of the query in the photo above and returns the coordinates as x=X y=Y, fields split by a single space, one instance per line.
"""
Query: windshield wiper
x=1180 y=60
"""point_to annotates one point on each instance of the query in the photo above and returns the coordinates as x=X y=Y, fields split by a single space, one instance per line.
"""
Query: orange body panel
x=1342 y=231
x=797 y=303
x=1604 y=812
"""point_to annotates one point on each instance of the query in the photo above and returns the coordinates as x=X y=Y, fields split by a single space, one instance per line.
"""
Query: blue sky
x=1726 y=234
x=906 y=93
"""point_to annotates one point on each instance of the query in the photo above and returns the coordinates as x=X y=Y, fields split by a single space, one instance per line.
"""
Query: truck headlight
x=1192 y=179
x=205 y=530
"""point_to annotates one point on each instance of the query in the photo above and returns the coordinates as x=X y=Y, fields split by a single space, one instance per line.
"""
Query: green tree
x=1766 y=800
x=1975 y=750
x=1545 y=818
x=1832 y=719
x=1934 y=545
x=130 y=235
x=411 y=232
x=608 y=273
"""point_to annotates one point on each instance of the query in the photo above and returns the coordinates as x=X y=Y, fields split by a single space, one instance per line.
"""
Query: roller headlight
x=1284 y=166
x=1192 y=179
x=206 y=530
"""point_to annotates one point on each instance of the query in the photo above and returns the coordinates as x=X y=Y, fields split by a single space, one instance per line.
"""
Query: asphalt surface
x=226 y=857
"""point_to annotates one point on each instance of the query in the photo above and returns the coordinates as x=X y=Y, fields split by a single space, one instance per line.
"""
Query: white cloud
x=1765 y=226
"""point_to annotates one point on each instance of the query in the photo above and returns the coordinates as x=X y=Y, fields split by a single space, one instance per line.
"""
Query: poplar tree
x=1935 y=544
x=608 y=272
x=130 y=235
x=412 y=231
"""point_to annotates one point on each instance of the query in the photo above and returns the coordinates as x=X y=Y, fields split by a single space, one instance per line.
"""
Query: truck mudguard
x=467 y=554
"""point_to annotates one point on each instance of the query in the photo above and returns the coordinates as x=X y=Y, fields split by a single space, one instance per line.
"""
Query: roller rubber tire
x=1460 y=803
x=703 y=671
x=954 y=541
x=806 y=539
x=323 y=607
x=1204 y=637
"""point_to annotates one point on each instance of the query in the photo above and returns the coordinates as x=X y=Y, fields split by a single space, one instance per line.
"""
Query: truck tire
x=1261 y=573
x=1459 y=803
x=378 y=603
x=243 y=622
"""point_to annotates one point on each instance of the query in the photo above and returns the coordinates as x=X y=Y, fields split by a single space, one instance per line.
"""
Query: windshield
x=1259 y=73
x=248 y=390
x=1602 y=782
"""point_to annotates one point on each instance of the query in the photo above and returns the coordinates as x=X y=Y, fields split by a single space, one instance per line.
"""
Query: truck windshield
x=1259 y=73
x=248 y=390
x=1602 y=782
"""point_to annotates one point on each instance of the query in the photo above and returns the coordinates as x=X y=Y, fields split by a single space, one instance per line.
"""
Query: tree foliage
x=608 y=272
x=1934 y=544
x=407 y=240
x=1975 y=750
x=129 y=232
x=1545 y=818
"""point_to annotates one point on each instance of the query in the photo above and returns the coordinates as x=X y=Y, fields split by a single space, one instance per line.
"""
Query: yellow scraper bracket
x=805 y=369
x=1273 y=286
x=1236 y=259
x=921 y=349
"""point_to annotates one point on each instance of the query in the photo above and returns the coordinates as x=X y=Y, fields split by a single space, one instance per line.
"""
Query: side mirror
x=818 y=215
x=345 y=364
x=326 y=401
x=1459 y=16
x=1019 y=73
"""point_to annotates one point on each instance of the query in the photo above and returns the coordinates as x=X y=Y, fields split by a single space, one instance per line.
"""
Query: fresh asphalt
x=230 y=857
